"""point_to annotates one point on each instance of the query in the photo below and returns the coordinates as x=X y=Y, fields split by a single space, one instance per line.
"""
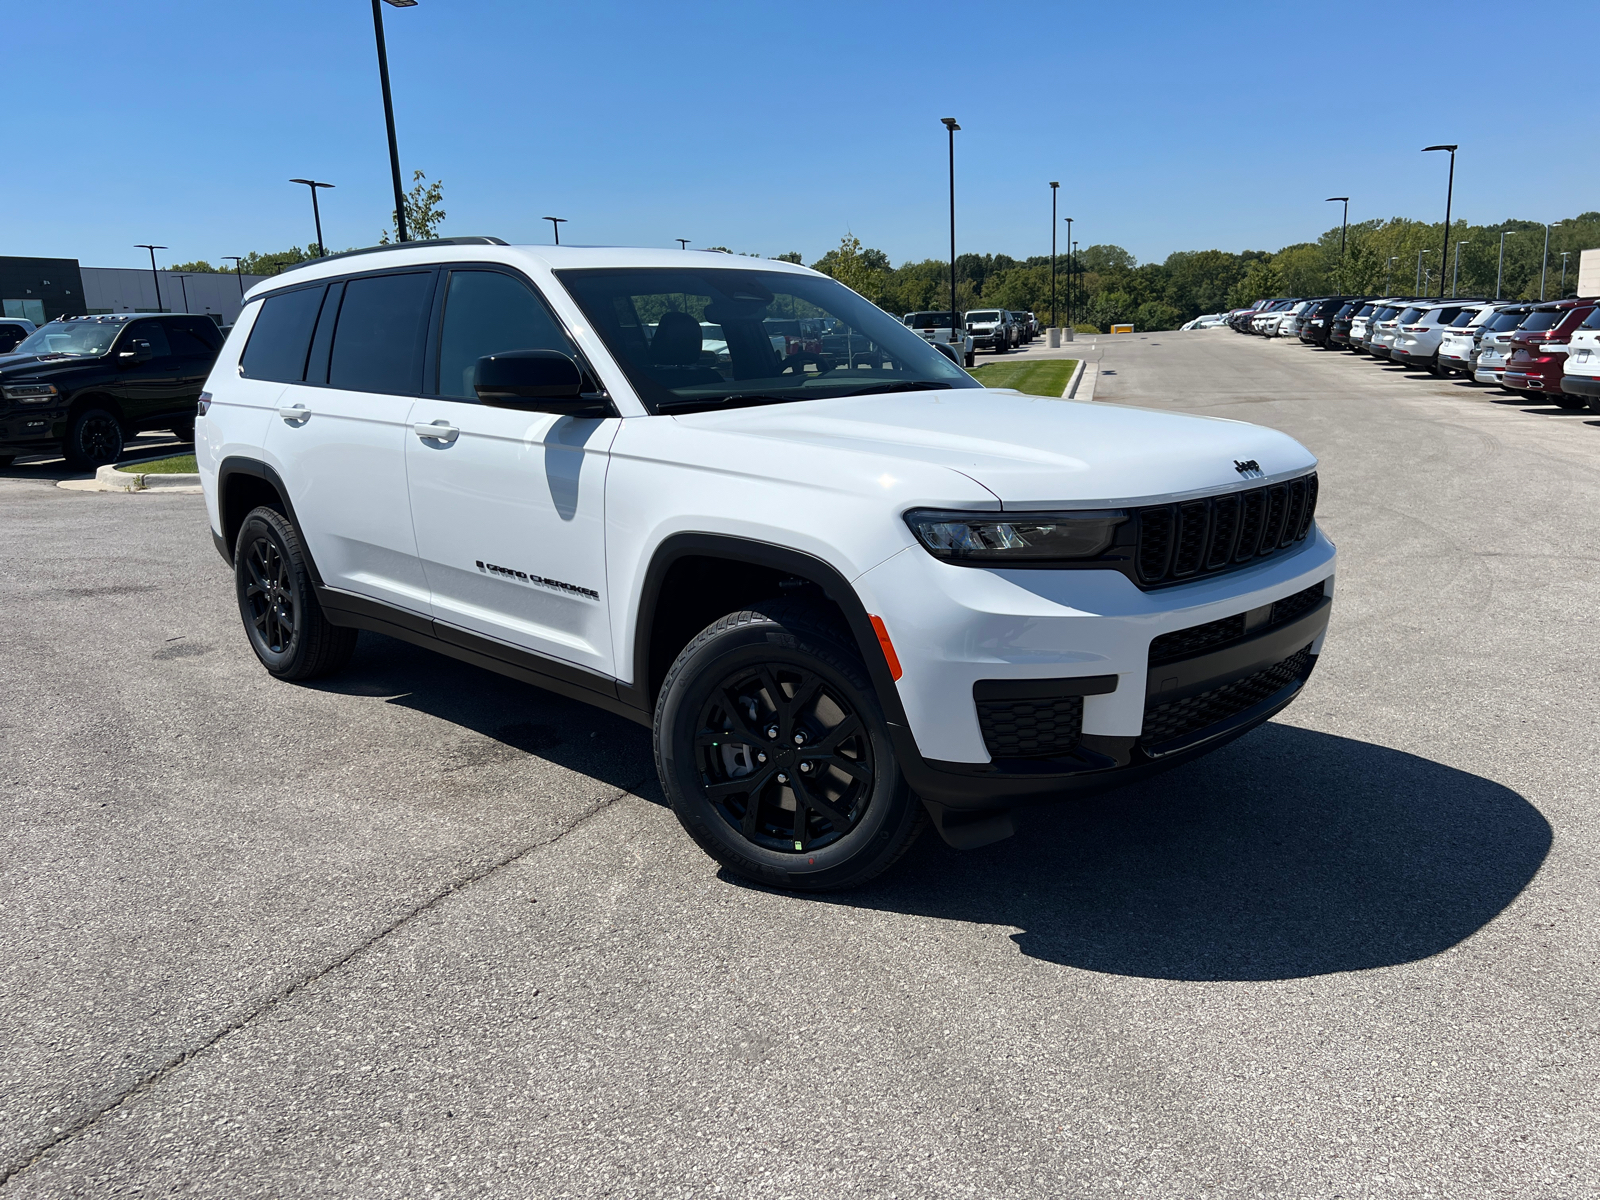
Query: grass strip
x=178 y=464
x=1046 y=378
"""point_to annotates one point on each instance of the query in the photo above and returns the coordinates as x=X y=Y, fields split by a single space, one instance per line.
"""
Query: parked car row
x=994 y=329
x=1550 y=347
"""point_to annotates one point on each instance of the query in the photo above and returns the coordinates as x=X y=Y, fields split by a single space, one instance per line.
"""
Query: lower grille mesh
x=1174 y=719
x=1047 y=728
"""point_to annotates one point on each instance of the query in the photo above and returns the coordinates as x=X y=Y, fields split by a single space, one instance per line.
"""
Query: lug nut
x=782 y=778
x=772 y=731
x=761 y=757
x=799 y=739
x=806 y=767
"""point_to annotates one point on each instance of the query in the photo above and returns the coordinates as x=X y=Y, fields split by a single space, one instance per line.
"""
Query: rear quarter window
x=281 y=336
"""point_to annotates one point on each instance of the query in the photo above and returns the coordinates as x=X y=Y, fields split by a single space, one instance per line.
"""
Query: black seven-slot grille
x=1183 y=541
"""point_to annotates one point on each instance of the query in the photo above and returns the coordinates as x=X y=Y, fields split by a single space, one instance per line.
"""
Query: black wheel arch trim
x=256 y=469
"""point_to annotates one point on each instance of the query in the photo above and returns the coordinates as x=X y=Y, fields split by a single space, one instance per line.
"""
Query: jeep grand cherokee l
x=846 y=590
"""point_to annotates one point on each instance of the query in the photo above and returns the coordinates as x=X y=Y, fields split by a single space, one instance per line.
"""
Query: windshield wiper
x=717 y=401
x=903 y=386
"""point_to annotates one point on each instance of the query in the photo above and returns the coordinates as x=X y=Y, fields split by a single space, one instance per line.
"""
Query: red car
x=1538 y=349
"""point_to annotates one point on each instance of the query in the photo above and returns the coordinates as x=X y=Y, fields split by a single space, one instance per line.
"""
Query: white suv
x=1581 y=372
x=843 y=584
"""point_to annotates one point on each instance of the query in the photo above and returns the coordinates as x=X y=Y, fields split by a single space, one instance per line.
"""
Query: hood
x=37 y=364
x=1028 y=450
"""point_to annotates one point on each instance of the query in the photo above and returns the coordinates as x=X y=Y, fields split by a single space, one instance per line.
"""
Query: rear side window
x=281 y=336
x=186 y=340
x=377 y=345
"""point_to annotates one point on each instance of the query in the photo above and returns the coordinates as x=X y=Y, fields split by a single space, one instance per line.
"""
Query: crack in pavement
x=15 y=1168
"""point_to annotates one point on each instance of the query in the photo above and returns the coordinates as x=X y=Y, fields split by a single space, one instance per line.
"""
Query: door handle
x=298 y=412
x=438 y=431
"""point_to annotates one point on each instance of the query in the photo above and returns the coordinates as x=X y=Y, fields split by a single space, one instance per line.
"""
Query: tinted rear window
x=281 y=336
x=377 y=346
x=1366 y=310
x=1464 y=318
x=1410 y=315
x=1502 y=321
x=1540 y=320
x=1592 y=321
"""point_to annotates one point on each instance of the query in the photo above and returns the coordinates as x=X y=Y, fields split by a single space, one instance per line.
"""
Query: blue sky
x=768 y=128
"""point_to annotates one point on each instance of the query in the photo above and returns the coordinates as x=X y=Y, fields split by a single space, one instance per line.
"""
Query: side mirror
x=949 y=351
x=535 y=381
x=137 y=352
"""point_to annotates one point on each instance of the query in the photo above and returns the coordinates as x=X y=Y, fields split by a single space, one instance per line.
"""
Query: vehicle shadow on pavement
x=1289 y=853
x=529 y=719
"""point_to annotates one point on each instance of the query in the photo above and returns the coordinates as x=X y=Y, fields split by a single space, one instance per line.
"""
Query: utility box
x=1589 y=272
x=1122 y=329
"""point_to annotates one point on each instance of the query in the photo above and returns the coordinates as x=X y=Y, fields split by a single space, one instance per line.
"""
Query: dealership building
x=41 y=289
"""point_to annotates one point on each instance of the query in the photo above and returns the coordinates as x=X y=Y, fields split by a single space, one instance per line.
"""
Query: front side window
x=487 y=312
x=377 y=343
x=777 y=337
x=147 y=331
x=281 y=336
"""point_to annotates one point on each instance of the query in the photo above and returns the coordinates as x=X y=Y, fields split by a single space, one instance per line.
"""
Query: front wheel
x=286 y=626
x=93 y=439
x=775 y=755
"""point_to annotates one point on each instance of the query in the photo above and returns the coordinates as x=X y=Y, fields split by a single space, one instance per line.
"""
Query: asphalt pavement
x=421 y=931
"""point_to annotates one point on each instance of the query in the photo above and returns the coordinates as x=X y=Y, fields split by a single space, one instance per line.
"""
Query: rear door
x=339 y=435
x=508 y=505
x=195 y=342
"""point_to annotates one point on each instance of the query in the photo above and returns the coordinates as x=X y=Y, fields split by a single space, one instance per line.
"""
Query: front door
x=338 y=436
x=508 y=505
x=145 y=389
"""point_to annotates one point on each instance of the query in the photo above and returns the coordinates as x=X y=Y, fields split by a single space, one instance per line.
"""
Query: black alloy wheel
x=775 y=755
x=784 y=759
x=94 y=439
x=286 y=626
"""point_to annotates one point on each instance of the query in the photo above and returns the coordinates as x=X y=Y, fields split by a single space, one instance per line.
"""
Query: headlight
x=30 y=393
x=1022 y=537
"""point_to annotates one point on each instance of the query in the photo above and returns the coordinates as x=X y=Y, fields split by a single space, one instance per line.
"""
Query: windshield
x=784 y=336
x=1540 y=320
x=929 y=320
x=989 y=317
x=76 y=338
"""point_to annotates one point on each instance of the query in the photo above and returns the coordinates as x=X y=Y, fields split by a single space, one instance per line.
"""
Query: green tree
x=256 y=263
x=423 y=212
x=198 y=267
x=860 y=270
x=792 y=256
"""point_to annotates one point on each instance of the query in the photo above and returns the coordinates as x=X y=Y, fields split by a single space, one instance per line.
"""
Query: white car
x=1417 y=341
x=1458 y=346
x=843 y=589
x=1581 y=373
x=1382 y=330
x=1494 y=345
x=13 y=332
x=1358 y=325
x=1289 y=323
x=934 y=328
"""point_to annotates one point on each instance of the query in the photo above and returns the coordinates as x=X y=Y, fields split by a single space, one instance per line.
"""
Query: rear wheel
x=286 y=626
x=94 y=438
x=1570 y=403
x=775 y=754
x=183 y=430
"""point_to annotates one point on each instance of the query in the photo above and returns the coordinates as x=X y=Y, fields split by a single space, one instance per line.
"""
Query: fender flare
x=255 y=468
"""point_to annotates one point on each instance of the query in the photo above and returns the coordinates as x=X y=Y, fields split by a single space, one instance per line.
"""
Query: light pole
x=236 y=261
x=950 y=124
x=1343 y=226
x=1072 y=310
x=1420 y=253
x=185 y=288
x=153 y=275
x=316 y=214
x=1455 y=274
x=1563 y=293
x=1053 y=188
x=1448 y=196
x=388 y=117
x=555 y=226
x=1500 y=270
x=1388 y=280
x=1544 y=263
x=1070 y=245
x=683 y=243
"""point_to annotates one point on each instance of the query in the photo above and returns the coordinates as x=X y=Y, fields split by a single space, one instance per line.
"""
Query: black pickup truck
x=81 y=386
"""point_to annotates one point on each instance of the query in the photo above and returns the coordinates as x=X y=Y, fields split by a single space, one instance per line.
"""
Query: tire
x=972 y=358
x=717 y=719
x=94 y=439
x=183 y=430
x=1570 y=403
x=282 y=618
x=7 y=459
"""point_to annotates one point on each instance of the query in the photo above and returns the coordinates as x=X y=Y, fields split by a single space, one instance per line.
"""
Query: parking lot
x=421 y=930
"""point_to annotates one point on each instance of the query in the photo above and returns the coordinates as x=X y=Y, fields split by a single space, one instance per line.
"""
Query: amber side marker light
x=888 y=649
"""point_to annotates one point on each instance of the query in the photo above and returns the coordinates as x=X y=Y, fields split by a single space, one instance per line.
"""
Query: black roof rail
x=450 y=241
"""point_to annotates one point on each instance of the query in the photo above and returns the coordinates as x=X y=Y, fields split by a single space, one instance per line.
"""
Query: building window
x=28 y=310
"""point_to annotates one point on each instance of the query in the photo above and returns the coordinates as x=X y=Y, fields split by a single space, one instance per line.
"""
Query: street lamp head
x=1054 y=184
x=148 y=246
x=401 y=3
x=1331 y=199
x=1452 y=149
x=950 y=123
x=311 y=183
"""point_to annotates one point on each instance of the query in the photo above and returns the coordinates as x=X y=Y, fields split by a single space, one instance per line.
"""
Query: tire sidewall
x=78 y=453
x=678 y=711
x=266 y=523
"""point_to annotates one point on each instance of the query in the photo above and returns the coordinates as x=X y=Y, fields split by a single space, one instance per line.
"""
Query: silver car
x=1494 y=345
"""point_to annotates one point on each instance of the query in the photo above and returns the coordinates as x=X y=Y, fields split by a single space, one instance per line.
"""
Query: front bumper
x=31 y=432
x=966 y=634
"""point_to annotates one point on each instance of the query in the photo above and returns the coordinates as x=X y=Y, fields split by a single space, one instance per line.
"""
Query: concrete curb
x=1070 y=393
x=109 y=479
